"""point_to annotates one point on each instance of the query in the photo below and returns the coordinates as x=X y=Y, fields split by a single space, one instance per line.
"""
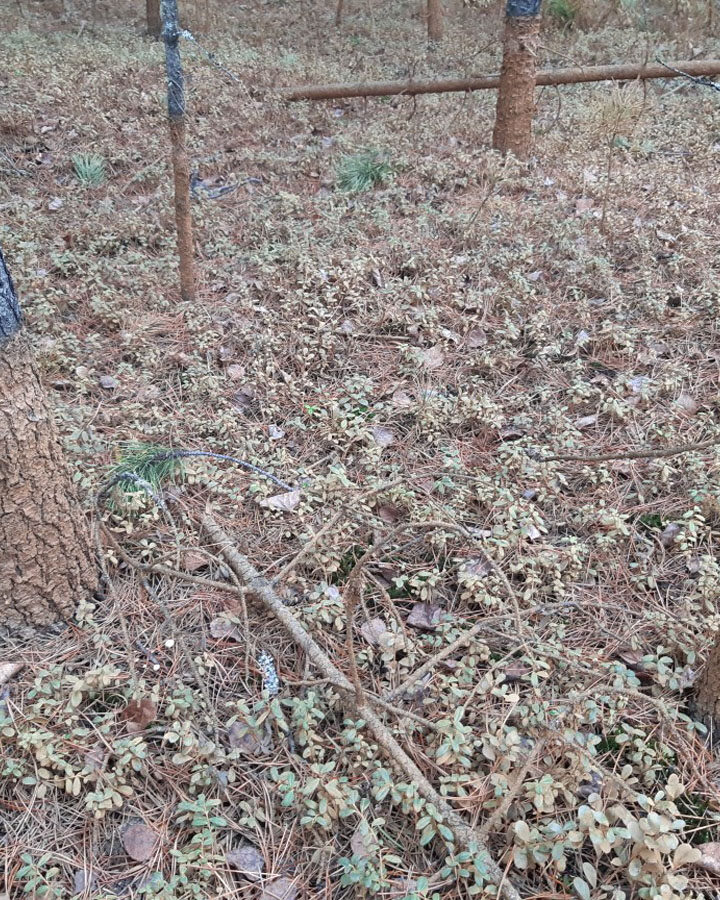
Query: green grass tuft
x=89 y=169
x=363 y=171
x=149 y=462
x=564 y=12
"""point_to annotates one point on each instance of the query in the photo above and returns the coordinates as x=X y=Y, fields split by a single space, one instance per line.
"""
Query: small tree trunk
x=516 y=94
x=45 y=557
x=339 y=13
x=180 y=163
x=707 y=690
x=154 y=22
x=434 y=20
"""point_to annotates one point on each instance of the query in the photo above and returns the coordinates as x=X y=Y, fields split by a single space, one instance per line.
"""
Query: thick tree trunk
x=45 y=557
x=707 y=690
x=434 y=20
x=154 y=22
x=516 y=94
x=180 y=163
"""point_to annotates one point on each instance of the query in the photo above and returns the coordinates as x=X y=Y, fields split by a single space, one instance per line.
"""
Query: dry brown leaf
x=585 y=421
x=192 y=560
x=670 y=532
x=279 y=889
x=222 y=628
x=284 y=502
x=478 y=566
x=432 y=358
x=401 y=399
x=383 y=437
x=361 y=842
x=139 y=842
x=687 y=404
x=247 y=860
x=424 y=616
x=235 y=372
x=475 y=338
x=583 y=205
x=247 y=742
x=138 y=714
x=372 y=630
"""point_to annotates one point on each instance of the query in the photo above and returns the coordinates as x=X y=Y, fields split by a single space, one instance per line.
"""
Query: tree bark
x=154 y=22
x=434 y=20
x=180 y=163
x=582 y=75
x=45 y=556
x=707 y=690
x=516 y=93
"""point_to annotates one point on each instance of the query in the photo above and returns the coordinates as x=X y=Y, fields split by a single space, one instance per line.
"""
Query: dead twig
x=658 y=453
x=465 y=835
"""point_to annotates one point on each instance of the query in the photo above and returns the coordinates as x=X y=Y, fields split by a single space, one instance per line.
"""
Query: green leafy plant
x=564 y=12
x=363 y=171
x=89 y=169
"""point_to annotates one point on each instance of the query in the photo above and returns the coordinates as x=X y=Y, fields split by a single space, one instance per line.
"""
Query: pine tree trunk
x=180 y=163
x=45 y=557
x=435 y=20
x=154 y=22
x=516 y=94
x=707 y=689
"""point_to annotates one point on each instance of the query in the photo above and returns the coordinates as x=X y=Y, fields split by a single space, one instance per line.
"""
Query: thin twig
x=465 y=835
x=659 y=453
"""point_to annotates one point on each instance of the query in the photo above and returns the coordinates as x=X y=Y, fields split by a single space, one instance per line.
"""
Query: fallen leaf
x=361 y=842
x=247 y=860
x=279 y=889
x=241 y=737
x=516 y=671
x=401 y=399
x=139 y=842
x=95 y=758
x=585 y=421
x=108 y=382
x=475 y=338
x=478 y=566
x=222 y=628
x=235 y=372
x=583 y=205
x=432 y=358
x=390 y=513
x=372 y=630
x=383 y=437
x=7 y=670
x=665 y=236
x=82 y=881
x=283 y=502
x=709 y=857
x=592 y=785
x=671 y=531
x=55 y=204
x=138 y=714
x=511 y=433
x=192 y=560
x=275 y=433
x=531 y=532
x=424 y=616
x=687 y=404
x=346 y=327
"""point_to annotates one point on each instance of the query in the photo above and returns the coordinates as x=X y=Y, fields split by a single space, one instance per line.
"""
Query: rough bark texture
x=707 y=691
x=516 y=93
x=180 y=162
x=154 y=22
x=183 y=217
x=434 y=20
x=45 y=556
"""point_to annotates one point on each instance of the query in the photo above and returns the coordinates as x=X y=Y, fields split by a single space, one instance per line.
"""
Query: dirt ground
x=402 y=359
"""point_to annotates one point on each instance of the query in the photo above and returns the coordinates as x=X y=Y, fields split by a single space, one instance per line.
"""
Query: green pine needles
x=363 y=171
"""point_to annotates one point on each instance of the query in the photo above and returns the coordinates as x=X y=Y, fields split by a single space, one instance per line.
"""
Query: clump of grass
x=363 y=171
x=564 y=12
x=89 y=169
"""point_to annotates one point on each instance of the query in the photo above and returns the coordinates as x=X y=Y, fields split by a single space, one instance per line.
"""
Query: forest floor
x=402 y=358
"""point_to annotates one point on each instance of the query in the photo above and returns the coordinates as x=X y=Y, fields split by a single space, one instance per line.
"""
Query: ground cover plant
x=403 y=328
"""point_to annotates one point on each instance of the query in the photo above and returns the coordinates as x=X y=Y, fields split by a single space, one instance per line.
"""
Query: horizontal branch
x=576 y=75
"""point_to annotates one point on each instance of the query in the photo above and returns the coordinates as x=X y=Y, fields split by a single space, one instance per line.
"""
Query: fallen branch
x=464 y=834
x=659 y=453
x=575 y=75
